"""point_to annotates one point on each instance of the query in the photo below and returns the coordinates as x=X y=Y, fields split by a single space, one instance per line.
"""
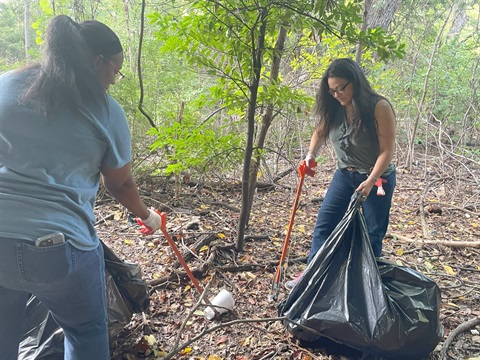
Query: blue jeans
x=69 y=282
x=376 y=209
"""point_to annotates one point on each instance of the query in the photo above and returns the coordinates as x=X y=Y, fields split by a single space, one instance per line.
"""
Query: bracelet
x=374 y=178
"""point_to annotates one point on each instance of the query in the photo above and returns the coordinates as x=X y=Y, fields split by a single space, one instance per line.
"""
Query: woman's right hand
x=310 y=161
x=152 y=223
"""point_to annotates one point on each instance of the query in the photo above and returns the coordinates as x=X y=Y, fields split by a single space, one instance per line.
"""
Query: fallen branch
x=185 y=321
x=175 y=351
x=199 y=272
x=456 y=244
x=422 y=207
x=457 y=331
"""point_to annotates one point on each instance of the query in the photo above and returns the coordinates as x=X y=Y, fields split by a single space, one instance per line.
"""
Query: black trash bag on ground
x=368 y=304
x=127 y=294
x=128 y=279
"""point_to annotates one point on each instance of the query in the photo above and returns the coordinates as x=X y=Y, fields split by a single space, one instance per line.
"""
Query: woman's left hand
x=365 y=188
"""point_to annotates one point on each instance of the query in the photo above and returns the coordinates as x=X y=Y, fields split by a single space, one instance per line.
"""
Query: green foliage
x=201 y=54
x=450 y=93
x=221 y=40
x=199 y=149
x=12 y=41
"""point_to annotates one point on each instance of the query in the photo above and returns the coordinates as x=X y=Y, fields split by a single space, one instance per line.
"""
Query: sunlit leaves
x=195 y=147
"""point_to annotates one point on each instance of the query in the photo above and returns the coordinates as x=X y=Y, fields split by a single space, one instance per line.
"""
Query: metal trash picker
x=282 y=265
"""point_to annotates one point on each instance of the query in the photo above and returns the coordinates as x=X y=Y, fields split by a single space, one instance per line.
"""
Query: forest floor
x=434 y=229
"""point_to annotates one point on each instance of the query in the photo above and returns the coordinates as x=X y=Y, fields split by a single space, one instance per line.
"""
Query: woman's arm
x=386 y=124
x=121 y=184
x=315 y=144
x=385 y=121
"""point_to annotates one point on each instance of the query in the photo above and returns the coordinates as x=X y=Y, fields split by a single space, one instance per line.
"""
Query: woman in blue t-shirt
x=360 y=124
x=60 y=132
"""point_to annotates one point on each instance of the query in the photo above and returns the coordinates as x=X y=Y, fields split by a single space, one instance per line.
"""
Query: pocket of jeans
x=45 y=264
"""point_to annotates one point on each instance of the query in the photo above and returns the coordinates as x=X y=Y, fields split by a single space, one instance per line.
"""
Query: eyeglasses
x=341 y=90
x=118 y=74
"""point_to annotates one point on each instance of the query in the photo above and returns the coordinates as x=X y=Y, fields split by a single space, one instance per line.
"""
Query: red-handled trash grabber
x=379 y=184
x=214 y=309
x=177 y=252
x=282 y=265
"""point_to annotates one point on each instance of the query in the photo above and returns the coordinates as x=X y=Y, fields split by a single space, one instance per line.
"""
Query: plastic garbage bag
x=43 y=338
x=127 y=294
x=368 y=304
x=128 y=279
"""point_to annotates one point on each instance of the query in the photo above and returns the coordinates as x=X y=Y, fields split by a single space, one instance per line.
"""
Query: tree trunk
x=381 y=13
x=359 y=50
x=460 y=18
x=129 y=36
x=27 y=30
x=376 y=13
x=266 y=119
x=257 y=54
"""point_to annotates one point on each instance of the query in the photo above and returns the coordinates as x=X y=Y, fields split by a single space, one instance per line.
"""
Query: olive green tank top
x=358 y=149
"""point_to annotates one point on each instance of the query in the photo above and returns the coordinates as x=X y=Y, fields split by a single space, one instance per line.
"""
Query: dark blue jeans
x=376 y=209
x=69 y=282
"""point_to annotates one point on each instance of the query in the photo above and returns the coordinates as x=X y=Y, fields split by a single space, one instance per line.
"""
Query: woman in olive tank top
x=360 y=124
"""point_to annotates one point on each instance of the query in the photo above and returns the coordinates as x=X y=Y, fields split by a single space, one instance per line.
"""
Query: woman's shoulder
x=114 y=105
x=18 y=77
x=383 y=109
x=382 y=102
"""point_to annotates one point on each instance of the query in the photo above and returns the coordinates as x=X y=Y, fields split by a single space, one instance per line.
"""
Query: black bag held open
x=349 y=296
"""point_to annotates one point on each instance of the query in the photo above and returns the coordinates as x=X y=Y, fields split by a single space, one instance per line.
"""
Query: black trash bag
x=127 y=294
x=368 y=304
x=128 y=278
x=43 y=338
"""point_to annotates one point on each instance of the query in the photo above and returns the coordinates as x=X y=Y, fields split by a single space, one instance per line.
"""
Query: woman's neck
x=349 y=113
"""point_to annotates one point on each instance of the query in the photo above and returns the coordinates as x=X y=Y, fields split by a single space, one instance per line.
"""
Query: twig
x=422 y=207
x=199 y=302
x=237 y=268
x=455 y=244
x=174 y=352
x=457 y=331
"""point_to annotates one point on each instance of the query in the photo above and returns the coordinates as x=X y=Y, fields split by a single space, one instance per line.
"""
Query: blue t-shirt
x=50 y=168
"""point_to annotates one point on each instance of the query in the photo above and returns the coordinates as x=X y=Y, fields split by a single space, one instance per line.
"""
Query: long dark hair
x=363 y=100
x=66 y=74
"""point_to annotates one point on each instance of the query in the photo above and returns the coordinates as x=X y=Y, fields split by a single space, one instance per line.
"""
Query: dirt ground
x=434 y=229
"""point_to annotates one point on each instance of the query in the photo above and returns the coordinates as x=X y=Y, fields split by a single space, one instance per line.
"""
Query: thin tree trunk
x=27 y=30
x=178 y=184
x=467 y=135
x=359 y=50
x=257 y=54
x=129 y=36
x=410 y=153
x=266 y=119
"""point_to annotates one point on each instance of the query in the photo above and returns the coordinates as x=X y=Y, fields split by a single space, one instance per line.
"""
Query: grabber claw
x=378 y=184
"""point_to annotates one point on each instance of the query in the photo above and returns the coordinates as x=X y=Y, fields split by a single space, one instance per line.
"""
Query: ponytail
x=66 y=75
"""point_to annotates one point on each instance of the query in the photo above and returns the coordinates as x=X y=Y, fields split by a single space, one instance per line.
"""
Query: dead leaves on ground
x=456 y=270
